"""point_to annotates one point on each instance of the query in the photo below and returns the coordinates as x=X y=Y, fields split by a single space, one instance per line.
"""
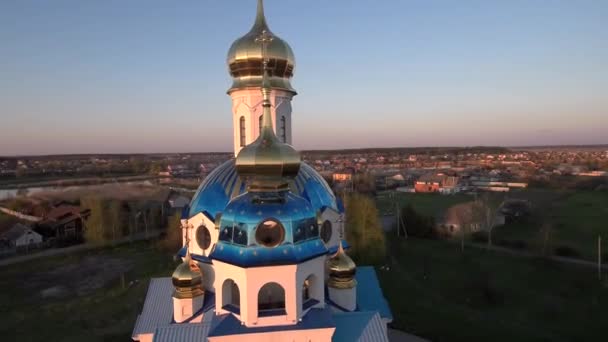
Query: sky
x=142 y=76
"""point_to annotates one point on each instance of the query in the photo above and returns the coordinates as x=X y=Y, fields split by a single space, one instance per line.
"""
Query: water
x=10 y=193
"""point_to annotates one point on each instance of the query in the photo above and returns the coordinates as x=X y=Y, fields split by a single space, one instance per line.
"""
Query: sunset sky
x=117 y=76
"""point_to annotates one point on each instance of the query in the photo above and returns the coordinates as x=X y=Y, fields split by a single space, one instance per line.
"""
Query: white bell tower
x=245 y=66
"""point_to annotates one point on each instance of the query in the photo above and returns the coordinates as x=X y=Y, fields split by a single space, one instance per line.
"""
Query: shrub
x=480 y=236
x=519 y=244
x=566 y=251
x=502 y=242
x=419 y=225
x=172 y=239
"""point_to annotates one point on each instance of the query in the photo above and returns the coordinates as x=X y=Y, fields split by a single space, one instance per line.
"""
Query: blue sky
x=150 y=76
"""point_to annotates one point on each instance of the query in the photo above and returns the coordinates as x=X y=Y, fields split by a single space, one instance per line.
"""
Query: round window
x=270 y=233
x=326 y=231
x=203 y=238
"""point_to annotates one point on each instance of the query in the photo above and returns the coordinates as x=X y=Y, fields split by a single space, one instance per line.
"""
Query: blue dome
x=243 y=214
x=224 y=183
x=294 y=231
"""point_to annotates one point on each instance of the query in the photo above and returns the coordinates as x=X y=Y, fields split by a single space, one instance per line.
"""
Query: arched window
x=242 y=130
x=283 y=129
x=270 y=233
x=231 y=296
x=306 y=290
x=271 y=300
x=260 y=124
x=203 y=237
x=310 y=292
x=326 y=231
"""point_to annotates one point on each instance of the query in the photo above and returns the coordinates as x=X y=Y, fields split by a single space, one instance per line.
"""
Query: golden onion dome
x=342 y=270
x=267 y=161
x=245 y=58
x=187 y=279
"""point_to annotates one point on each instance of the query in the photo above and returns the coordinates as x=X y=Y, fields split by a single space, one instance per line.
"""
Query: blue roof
x=369 y=293
x=223 y=183
x=284 y=254
x=244 y=214
x=200 y=258
x=192 y=332
x=362 y=326
x=314 y=319
x=254 y=256
x=350 y=325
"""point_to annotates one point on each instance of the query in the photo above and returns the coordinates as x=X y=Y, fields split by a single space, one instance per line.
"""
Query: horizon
x=151 y=78
x=352 y=149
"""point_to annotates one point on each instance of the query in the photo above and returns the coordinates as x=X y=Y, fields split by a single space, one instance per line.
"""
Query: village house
x=18 y=236
x=64 y=222
x=439 y=182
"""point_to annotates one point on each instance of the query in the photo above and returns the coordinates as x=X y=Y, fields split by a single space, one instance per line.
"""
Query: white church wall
x=247 y=103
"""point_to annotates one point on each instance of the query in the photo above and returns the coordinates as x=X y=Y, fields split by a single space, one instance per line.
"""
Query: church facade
x=264 y=256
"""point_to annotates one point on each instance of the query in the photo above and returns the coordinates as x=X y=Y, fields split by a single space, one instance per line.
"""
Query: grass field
x=433 y=290
x=439 y=293
x=576 y=220
x=427 y=204
x=79 y=297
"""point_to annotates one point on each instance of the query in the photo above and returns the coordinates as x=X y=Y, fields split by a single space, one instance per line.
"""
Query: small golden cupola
x=267 y=162
x=342 y=270
x=188 y=279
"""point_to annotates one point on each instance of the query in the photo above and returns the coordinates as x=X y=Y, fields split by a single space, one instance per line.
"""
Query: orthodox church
x=264 y=257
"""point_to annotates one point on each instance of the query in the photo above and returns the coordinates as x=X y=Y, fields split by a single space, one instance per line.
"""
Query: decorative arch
x=311 y=294
x=271 y=300
x=283 y=129
x=231 y=296
x=242 y=131
x=260 y=123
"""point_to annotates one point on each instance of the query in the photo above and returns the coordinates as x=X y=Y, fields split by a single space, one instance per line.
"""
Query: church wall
x=346 y=298
x=248 y=104
x=224 y=271
x=315 y=268
x=333 y=217
x=284 y=275
x=195 y=222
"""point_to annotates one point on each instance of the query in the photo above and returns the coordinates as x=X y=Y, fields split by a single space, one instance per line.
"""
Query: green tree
x=416 y=224
x=364 y=183
x=364 y=230
x=109 y=219
x=172 y=241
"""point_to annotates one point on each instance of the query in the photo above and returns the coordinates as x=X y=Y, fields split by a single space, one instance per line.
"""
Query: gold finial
x=187 y=227
x=265 y=38
x=260 y=18
x=187 y=277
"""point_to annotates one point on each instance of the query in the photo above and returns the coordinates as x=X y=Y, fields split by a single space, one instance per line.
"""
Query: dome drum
x=253 y=67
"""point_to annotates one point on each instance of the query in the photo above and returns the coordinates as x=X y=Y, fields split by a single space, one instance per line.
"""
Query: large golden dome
x=245 y=58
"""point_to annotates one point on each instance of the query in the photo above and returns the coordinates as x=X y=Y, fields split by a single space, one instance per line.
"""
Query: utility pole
x=599 y=257
x=462 y=238
x=397 y=218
